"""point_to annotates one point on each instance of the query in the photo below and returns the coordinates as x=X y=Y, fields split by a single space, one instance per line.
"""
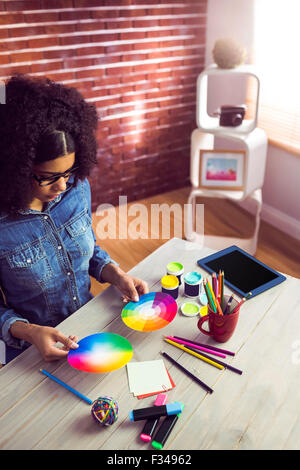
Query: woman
x=47 y=245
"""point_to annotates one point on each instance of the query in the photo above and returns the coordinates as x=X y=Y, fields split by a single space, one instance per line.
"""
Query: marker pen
x=164 y=431
x=155 y=411
x=151 y=423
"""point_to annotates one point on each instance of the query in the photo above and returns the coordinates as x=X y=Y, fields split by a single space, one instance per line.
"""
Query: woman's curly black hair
x=34 y=107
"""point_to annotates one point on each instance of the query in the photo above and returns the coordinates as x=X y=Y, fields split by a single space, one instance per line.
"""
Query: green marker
x=164 y=431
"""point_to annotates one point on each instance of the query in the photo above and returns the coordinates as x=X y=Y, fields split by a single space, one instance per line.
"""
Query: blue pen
x=80 y=395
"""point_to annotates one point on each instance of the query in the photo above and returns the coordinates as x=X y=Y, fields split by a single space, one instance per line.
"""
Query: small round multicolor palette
x=190 y=309
x=101 y=352
x=152 y=312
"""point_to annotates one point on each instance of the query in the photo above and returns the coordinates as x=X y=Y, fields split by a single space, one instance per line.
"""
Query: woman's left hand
x=131 y=287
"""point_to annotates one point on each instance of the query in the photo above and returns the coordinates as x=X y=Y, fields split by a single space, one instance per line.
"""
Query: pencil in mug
x=215 y=300
x=219 y=284
x=211 y=291
x=219 y=307
x=209 y=297
x=214 y=283
x=227 y=308
x=196 y=354
x=222 y=289
x=241 y=302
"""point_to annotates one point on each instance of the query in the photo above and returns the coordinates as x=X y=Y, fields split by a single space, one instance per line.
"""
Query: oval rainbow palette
x=101 y=352
x=152 y=312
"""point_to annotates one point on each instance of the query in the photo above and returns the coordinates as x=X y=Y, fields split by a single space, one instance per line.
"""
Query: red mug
x=221 y=327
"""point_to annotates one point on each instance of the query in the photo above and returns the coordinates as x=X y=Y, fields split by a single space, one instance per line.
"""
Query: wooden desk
x=257 y=410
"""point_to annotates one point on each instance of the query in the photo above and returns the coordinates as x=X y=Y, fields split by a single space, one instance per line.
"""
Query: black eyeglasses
x=52 y=179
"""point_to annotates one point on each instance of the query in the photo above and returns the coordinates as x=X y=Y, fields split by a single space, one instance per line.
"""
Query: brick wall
x=137 y=60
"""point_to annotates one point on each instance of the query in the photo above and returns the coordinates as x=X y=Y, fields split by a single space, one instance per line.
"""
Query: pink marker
x=187 y=343
x=151 y=424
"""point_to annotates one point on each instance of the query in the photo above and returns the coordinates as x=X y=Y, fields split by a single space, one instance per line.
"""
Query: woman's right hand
x=45 y=338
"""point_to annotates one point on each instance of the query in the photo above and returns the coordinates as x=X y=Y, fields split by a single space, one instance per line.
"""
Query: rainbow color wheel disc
x=152 y=312
x=101 y=352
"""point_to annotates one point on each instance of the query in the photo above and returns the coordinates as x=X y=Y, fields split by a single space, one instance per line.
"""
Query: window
x=276 y=56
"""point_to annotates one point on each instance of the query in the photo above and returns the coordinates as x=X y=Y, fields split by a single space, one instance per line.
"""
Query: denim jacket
x=46 y=260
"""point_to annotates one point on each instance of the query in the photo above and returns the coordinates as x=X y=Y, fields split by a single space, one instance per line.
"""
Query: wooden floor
x=275 y=248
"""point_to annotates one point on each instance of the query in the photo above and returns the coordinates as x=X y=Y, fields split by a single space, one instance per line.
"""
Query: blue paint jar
x=192 y=284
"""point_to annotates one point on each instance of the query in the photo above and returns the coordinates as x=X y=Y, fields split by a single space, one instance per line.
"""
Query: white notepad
x=148 y=377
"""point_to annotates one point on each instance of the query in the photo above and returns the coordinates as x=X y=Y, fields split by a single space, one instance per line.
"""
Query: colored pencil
x=187 y=372
x=80 y=395
x=209 y=297
x=219 y=283
x=211 y=291
x=222 y=289
x=230 y=353
x=227 y=366
x=215 y=300
x=241 y=302
x=219 y=310
x=211 y=294
x=187 y=343
x=214 y=284
x=208 y=361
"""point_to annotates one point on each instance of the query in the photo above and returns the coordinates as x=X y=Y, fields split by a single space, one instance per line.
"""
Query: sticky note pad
x=147 y=377
x=157 y=391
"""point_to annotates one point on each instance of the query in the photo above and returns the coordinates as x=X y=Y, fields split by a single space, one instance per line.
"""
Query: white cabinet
x=211 y=124
x=246 y=137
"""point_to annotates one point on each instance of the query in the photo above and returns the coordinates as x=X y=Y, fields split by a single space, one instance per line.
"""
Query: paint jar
x=175 y=269
x=170 y=285
x=192 y=284
x=203 y=311
x=203 y=299
x=190 y=309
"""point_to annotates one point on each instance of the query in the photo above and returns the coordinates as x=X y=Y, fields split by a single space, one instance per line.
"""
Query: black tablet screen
x=241 y=271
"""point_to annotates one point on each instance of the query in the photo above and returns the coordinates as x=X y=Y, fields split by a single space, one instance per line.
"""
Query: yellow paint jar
x=170 y=285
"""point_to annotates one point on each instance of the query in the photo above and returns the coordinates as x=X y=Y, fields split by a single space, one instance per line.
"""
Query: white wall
x=281 y=191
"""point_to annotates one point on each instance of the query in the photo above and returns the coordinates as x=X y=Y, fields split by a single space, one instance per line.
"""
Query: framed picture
x=222 y=169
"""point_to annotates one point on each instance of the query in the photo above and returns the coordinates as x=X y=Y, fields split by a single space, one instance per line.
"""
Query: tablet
x=242 y=272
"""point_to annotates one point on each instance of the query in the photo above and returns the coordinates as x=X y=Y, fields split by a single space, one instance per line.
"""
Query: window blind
x=276 y=57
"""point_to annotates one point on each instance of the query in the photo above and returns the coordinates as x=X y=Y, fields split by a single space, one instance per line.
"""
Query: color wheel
x=101 y=352
x=152 y=312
